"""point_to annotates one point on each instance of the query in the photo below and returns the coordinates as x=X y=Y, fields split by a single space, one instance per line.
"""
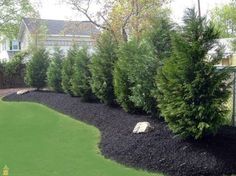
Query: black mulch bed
x=159 y=150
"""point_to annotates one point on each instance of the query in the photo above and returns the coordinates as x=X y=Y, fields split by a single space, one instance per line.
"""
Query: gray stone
x=21 y=92
x=142 y=127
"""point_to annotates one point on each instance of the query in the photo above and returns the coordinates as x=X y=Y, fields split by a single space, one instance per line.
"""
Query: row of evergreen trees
x=166 y=73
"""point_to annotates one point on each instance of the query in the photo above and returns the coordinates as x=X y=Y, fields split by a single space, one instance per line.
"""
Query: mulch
x=158 y=151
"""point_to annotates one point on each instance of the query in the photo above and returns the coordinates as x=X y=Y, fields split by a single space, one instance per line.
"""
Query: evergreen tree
x=191 y=91
x=54 y=77
x=159 y=36
x=102 y=67
x=37 y=68
x=142 y=72
x=128 y=74
x=67 y=69
x=80 y=81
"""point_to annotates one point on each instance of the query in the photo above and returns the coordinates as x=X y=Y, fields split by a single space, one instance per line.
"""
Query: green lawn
x=38 y=141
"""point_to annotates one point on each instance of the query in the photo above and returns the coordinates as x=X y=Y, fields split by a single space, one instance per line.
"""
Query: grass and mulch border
x=38 y=141
x=159 y=150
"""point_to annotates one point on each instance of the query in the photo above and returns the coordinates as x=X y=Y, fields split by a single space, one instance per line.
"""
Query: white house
x=50 y=33
x=229 y=55
x=8 y=48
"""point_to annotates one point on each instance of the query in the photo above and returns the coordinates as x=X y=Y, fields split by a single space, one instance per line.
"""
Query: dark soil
x=159 y=150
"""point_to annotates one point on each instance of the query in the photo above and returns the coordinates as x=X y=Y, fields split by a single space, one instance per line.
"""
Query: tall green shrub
x=54 y=77
x=159 y=36
x=130 y=74
x=192 y=92
x=102 y=67
x=142 y=73
x=80 y=82
x=36 y=69
x=67 y=69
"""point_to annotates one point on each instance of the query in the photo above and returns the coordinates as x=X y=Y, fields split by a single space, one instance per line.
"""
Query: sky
x=53 y=9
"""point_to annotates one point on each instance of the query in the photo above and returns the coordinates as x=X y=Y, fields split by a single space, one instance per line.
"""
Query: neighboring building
x=8 y=48
x=229 y=56
x=50 y=33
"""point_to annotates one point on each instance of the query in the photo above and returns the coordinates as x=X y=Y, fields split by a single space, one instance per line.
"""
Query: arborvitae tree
x=122 y=84
x=128 y=74
x=36 y=69
x=102 y=67
x=142 y=72
x=54 y=77
x=67 y=69
x=159 y=36
x=191 y=91
x=80 y=82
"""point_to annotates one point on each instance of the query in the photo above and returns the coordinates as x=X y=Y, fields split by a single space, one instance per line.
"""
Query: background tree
x=191 y=91
x=224 y=17
x=11 y=14
x=36 y=69
x=102 y=67
x=80 y=82
x=118 y=16
x=54 y=77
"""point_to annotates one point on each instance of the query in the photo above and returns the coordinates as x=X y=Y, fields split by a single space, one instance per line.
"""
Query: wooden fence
x=14 y=80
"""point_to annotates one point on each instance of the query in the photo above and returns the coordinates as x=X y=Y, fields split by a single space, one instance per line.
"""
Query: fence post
x=233 y=114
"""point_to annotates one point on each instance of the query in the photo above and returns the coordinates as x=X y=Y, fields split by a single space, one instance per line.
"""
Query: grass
x=38 y=141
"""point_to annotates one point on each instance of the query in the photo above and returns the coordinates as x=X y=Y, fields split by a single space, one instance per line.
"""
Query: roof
x=61 y=27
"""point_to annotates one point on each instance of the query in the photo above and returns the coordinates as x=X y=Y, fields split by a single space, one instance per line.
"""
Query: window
x=14 y=45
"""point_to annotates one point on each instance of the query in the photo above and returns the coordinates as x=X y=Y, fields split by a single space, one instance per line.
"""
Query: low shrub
x=13 y=71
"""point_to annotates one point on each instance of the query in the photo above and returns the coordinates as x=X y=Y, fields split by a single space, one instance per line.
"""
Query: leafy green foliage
x=67 y=69
x=11 y=14
x=15 y=64
x=54 y=77
x=102 y=67
x=80 y=82
x=191 y=91
x=224 y=18
x=36 y=69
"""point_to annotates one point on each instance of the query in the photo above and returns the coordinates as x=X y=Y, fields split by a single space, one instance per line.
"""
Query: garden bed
x=159 y=150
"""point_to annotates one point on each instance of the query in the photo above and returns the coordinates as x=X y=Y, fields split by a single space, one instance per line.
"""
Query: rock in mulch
x=159 y=150
x=24 y=91
x=21 y=92
x=142 y=127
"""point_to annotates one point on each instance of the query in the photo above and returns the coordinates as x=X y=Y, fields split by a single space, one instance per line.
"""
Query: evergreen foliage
x=80 y=82
x=67 y=69
x=159 y=36
x=102 y=67
x=132 y=83
x=36 y=69
x=54 y=77
x=191 y=91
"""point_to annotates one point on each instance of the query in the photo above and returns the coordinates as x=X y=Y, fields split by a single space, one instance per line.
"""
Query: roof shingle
x=61 y=27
